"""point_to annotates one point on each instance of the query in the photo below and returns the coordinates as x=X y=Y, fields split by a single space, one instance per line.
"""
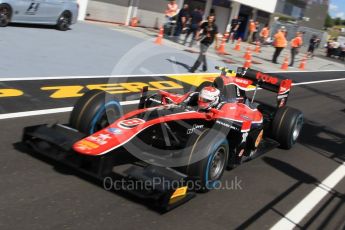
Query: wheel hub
x=297 y=129
x=217 y=164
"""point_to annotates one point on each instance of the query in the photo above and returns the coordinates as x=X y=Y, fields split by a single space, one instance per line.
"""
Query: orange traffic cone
x=159 y=38
x=248 y=54
x=302 y=65
x=285 y=63
x=257 y=47
x=134 y=22
x=238 y=45
x=226 y=35
x=221 y=49
x=247 y=64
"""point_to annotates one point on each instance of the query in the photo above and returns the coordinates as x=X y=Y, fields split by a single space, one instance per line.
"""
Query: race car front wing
x=163 y=188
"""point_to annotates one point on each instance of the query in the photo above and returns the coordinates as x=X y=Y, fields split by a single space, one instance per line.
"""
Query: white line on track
x=100 y=76
x=140 y=75
x=50 y=111
x=35 y=113
x=315 y=82
x=306 y=71
x=303 y=208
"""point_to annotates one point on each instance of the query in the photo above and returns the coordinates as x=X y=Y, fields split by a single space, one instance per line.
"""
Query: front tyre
x=94 y=111
x=5 y=15
x=209 y=170
x=286 y=126
x=64 y=21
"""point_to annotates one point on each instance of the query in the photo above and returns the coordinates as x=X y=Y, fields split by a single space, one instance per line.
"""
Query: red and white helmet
x=208 y=97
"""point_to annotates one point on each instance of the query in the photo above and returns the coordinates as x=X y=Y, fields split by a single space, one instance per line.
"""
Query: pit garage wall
x=108 y=10
x=149 y=12
x=264 y=5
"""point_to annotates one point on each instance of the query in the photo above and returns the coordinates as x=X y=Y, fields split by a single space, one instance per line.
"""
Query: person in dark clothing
x=208 y=34
x=235 y=24
x=330 y=49
x=342 y=52
x=313 y=43
x=195 y=20
x=182 y=19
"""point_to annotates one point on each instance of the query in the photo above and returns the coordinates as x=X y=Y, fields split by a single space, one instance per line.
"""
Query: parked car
x=61 y=13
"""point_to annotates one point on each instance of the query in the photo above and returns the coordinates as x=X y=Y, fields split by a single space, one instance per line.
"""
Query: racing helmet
x=208 y=97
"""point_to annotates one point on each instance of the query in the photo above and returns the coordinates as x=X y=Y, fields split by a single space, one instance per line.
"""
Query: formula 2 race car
x=171 y=139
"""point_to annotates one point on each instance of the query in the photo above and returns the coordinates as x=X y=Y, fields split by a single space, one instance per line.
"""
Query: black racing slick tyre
x=219 y=83
x=203 y=85
x=208 y=171
x=5 y=15
x=64 y=21
x=227 y=91
x=95 y=110
x=286 y=126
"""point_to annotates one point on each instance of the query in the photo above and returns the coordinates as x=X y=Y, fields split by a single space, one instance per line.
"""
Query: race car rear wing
x=268 y=82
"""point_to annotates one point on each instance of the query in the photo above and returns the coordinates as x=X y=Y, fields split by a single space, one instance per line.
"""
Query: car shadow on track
x=324 y=93
x=323 y=140
x=301 y=179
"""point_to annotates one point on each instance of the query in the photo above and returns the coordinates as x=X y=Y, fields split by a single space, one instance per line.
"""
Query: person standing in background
x=335 y=47
x=296 y=43
x=235 y=24
x=329 y=47
x=171 y=11
x=257 y=25
x=252 y=28
x=208 y=34
x=313 y=43
x=195 y=21
x=279 y=43
x=342 y=52
x=264 y=33
x=182 y=19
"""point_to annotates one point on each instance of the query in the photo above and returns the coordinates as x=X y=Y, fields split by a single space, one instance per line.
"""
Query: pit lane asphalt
x=87 y=49
x=38 y=195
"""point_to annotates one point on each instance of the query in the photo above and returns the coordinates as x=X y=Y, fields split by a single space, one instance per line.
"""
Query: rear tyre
x=286 y=126
x=203 y=85
x=64 y=21
x=219 y=84
x=210 y=169
x=94 y=111
x=5 y=15
x=227 y=91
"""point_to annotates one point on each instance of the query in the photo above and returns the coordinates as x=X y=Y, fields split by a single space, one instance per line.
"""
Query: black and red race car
x=168 y=142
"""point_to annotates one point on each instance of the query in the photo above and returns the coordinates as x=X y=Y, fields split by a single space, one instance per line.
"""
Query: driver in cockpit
x=207 y=98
